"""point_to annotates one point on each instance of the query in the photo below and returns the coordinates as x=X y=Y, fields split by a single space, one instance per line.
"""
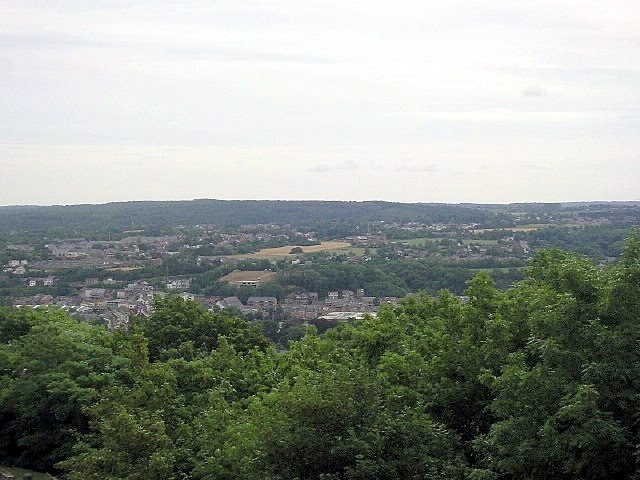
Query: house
x=116 y=319
x=139 y=287
x=93 y=293
x=248 y=283
x=179 y=284
x=333 y=296
x=368 y=301
x=49 y=281
x=262 y=303
x=227 y=302
x=347 y=294
x=20 y=270
x=186 y=296
x=297 y=299
x=115 y=304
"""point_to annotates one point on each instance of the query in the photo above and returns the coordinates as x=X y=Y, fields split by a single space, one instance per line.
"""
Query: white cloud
x=334 y=167
x=534 y=92
x=385 y=91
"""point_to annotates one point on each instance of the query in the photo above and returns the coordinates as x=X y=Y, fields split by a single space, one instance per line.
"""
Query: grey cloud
x=246 y=56
x=418 y=168
x=57 y=40
x=533 y=92
x=537 y=167
x=14 y=40
x=334 y=167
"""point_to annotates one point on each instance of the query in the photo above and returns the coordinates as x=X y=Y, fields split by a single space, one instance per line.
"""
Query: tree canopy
x=539 y=381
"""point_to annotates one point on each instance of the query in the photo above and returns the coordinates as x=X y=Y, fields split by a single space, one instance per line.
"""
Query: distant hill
x=155 y=217
x=228 y=212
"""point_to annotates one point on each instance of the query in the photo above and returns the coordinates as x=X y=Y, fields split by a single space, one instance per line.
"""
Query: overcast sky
x=416 y=101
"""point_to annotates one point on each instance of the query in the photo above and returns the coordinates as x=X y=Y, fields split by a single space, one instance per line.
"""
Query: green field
x=520 y=228
x=415 y=241
x=480 y=242
x=358 y=251
x=420 y=241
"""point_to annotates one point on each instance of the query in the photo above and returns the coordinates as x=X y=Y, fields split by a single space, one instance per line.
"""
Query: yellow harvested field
x=528 y=229
x=286 y=251
x=238 y=276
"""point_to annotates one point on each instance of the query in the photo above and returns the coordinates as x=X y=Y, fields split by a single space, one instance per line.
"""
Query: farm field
x=286 y=250
x=415 y=241
x=531 y=228
x=480 y=242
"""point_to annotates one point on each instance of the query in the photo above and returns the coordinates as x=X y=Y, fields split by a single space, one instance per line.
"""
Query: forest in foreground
x=539 y=381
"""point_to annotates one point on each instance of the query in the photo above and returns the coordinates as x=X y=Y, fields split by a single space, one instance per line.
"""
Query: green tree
x=178 y=328
x=49 y=375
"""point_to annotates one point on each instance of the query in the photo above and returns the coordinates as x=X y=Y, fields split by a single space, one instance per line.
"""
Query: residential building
x=230 y=302
x=262 y=303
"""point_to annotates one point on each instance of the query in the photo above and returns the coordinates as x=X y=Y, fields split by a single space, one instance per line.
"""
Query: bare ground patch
x=248 y=275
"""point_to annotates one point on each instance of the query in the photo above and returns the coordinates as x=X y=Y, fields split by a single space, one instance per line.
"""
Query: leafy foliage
x=180 y=328
x=157 y=216
x=541 y=381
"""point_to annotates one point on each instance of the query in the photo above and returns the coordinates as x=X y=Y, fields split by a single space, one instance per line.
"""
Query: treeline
x=380 y=278
x=540 y=382
x=95 y=220
x=594 y=241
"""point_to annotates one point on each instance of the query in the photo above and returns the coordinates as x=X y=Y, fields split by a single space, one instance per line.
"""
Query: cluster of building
x=179 y=284
x=17 y=267
x=111 y=306
x=253 y=305
x=344 y=304
x=41 y=281
x=127 y=252
x=338 y=305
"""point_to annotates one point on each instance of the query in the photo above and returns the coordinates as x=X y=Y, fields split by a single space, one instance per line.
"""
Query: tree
x=50 y=374
x=178 y=327
x=563 y=401
x=330 y=417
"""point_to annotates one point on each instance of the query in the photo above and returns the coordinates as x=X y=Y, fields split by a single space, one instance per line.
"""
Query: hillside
x=228 y=212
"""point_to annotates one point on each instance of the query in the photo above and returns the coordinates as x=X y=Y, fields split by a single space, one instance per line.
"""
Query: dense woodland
x=538 y=381
x=159 y=217
x=330 y=219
